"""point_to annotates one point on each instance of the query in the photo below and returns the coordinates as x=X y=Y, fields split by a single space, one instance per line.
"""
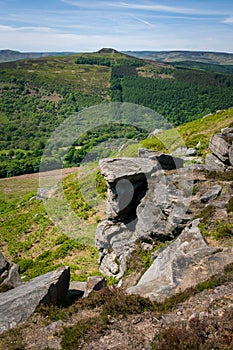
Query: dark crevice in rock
x=128 y=193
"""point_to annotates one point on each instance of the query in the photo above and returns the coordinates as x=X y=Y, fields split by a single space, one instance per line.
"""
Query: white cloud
x=172 y=9
x=228 y=20
x=81 y=4
x=4 y=28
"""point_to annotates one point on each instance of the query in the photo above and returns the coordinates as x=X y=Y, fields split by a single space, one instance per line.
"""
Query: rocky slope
x=189 y=206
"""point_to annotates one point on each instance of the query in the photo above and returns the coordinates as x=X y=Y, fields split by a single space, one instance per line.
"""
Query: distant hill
x=221 y=58
x=10 y=55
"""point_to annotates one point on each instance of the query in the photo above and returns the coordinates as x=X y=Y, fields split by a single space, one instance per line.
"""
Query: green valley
x=38 y=94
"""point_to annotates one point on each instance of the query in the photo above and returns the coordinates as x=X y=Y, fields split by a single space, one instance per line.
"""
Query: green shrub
x=230 y=205
x=12 y=340
x=195 y=190
x=61 y=239
x=174 y=338
x=101 y=185
x=214 y=175
x=222 y=230
x=73 y=336
x=63 y=250
x=24 y=264
x=45 y=257
x=207 y=213
x=114 y=302
x=207 y=334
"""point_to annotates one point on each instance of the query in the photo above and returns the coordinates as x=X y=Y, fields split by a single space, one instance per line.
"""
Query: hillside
x=111 y=318
x=218 y=62
x=38 y=94
x=192 y=133
x=221 y=58
x=29 y=237
x=10 y=55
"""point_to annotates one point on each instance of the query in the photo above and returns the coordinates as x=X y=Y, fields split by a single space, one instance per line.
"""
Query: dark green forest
x=188 y=95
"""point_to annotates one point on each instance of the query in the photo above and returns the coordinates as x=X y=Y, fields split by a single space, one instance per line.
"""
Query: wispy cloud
x=81 y=25
x=143 y=21
x=4 y=28
x=104 y=5
x=82 y=4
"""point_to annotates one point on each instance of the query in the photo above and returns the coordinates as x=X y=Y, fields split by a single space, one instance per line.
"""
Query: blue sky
x=82 y=25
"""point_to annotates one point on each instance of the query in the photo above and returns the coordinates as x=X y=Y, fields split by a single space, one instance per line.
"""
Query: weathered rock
x=110 y=235
x=154 y=133
x=213 y=193
x=219 y=145
x=83 y=289
x=148 y=207
x=191 y=152
x=228 y=132
x=168 y=162
x=114 y=169
x=113 y=264
x=147 y=153
x=13 y=279
x=94 y=283
x=4 y=264
x=231 y=155
x=164 y=161
x=183 y=264
x=19 y=303
x=212 y=163
x=181 y=151
x=76 y=289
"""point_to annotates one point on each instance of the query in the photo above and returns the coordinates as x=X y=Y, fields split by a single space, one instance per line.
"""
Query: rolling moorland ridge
x=34 y=101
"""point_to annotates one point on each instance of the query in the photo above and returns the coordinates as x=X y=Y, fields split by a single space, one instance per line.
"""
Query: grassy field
x=29 y=237
x=191 y=133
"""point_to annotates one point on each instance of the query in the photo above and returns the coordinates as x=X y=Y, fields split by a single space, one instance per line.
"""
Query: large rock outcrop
x=142 y=204
x=18 y=304
x=221 y=158
x=184 y=263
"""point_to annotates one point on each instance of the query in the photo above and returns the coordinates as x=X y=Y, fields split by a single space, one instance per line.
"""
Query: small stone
x=231 y=154
x=76 y=289
x=4 y=264
x=212 y=194
x=191 y=152
x=13 y=280
x=94 y=283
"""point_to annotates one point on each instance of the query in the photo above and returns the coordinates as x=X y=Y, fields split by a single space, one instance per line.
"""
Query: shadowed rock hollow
x=144 y=203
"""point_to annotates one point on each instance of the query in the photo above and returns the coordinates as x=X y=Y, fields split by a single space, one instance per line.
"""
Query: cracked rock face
x=220 y=159
x=143 y=203
x=184 y=263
